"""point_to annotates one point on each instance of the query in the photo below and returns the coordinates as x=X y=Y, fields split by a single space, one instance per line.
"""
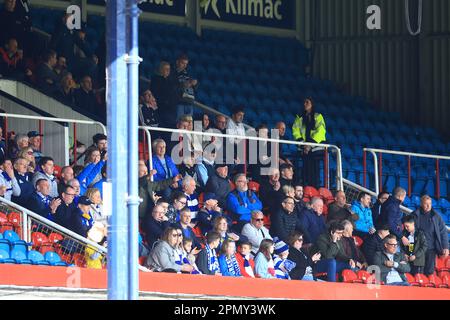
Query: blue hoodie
x=365 y=221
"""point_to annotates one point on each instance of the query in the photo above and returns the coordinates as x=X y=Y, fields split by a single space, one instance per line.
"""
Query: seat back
x=4 y=254
x=11 y=236
x=55 y=237
x=254 y=186
x=310 y=192
x=421 y=279
x=4 y=245
x=18 y=255
x=35 y=256
x=15 y=218
x=38 y=239
x=52 y=257
x=326 y=195
x=434 y=280
x=358 y=241
x=349 y=276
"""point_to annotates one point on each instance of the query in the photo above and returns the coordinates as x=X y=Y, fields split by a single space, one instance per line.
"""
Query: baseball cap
x=32 y=134
x=85 y=201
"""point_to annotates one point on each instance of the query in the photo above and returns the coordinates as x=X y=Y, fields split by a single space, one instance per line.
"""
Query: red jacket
x=240 y=259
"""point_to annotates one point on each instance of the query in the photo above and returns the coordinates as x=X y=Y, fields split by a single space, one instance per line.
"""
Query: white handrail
x=412 y=154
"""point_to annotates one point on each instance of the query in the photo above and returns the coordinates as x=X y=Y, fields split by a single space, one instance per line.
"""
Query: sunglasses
x=259 y=220
x=392 y=244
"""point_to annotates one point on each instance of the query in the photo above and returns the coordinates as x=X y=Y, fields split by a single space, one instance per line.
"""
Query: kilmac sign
x=170 y=7
x=265 y=13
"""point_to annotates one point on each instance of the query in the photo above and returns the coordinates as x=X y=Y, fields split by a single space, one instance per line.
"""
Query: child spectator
x=190 y=254
x=207 y=258
x=417 y=247
x=245 y=261
x=264 y=267
x=280 y=260
x=227 y=260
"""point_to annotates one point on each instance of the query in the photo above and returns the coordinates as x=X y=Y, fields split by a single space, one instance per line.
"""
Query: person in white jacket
x=255 y=231
x=8 y=182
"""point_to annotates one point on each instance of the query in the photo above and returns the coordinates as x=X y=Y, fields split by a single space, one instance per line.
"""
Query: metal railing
x=64 y=121
x=378 y=166
x=45 y=235
x=337 y=150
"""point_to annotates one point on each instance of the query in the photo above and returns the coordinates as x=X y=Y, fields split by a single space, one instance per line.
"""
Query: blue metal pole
x=133 y=131
x=117 y=97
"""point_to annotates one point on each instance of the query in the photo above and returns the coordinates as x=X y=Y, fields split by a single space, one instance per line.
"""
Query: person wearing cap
x=46 y=166
x=281 y=262
x=310 y=127
x=255 y=231
x=209 y=212
x=285 y=220
x=374 y=243
x=83 y=220
x=219 y=184
x=34 y=141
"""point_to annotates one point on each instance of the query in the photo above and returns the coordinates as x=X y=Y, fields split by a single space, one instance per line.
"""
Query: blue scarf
x=213 y=263
x=233 y=266
x=8 y=179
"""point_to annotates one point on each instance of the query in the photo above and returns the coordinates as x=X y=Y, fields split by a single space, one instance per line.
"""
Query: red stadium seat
x=5 y=227
x=365 y=276
x=310 y=192
x=436 y=281
x=348 y=276
x=55 y=237
x=15 y=218
x=267 y=222
x=41 y=243
x=326 y=195
x=78 y=260
x=254 y=186
x=411 y=280
x=445 y=277
x=441 y=264
x=359 y=242
x=325 y=209
x=3 y=218
x=423 y=280
x=142 y=260
x=443 y=274
x=5 y=224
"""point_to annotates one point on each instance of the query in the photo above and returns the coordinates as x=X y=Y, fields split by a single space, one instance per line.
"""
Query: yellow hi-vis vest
x=317 y=134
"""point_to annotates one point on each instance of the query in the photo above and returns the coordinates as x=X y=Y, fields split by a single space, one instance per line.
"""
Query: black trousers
x=311 y=168
x=430 y=261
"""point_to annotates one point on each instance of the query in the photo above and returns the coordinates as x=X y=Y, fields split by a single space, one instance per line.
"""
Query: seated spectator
x=300 y=205
x=285 y=220
x=264 y=267
x=97 y=210
x=35 y=140
x=66 y=175
x=186 y=226
x=163 y=86
x=9 y=185
x=228 y=263
x=415 y=251
x=220 y=123
x=188 y=186
x=99 y=184
x=188 y=167
x=46 y=77
x=67 y=89
x=333 y=259
x=91 y=173
x=148 y=110
x=179 y=202
x=350 y=248
x=281 y=262
x=269 y=191
x=242 y=201
x=12 y=63
x=219 y=184
x=67 y=208
x=205 y=165
x=46 y=169
x=75 y=184
x=82 y=222
x=392 y=263
x=190 y=254
x=221 y=227
x=312 y=221
x=23 y=178
x=208 y=213
x=155 y=225
x=364 y=224
x=148 y=189
x=287 y=175
x=207 y=261
x=164 y=165
x=245 y=261
x=255 y=231
x=376 y=209
x=339 y=210
x=85 y=98
x=41 y=202
x=27 y=153
x=163 y=256
x=20 y=143
x=304 y=264
x=374 y=243
x=60 y=67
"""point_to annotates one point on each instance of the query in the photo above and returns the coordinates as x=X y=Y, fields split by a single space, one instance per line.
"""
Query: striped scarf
x=213 y=263
x=248 y=268
x=233 y=266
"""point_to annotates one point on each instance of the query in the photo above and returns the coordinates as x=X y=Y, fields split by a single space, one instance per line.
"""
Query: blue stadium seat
x=4 y=245
x=5 y=258
x=1 y=236
x=20 y=257
x=415 y=200
x=37 y=258
x=54 y=259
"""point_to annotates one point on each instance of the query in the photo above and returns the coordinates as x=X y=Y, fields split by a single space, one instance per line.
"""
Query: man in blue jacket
x=164 y=166
x=313 y=222
x=241 y=202
x=391 y=213
x=364 y=224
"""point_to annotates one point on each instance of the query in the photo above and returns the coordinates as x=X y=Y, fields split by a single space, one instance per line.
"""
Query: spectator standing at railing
x=219 y=184
x=40 y=200
x=148 y=110
x=85 y=98
x=428 y=220
x=66 y=176
x=21 y=142
x=392 y=214
x=46 y=78
x=35 y=141
x=220 y=123
x=24 y=179
x=281 y=127
x=376 y=209
x=9 y=185
x=310 y=127
x=12 y=63
x=228 y=263
x=269 y=191
x=67 y=209
x=46 y=169
x=339 y=209
x=186 y=86
x=364 y=224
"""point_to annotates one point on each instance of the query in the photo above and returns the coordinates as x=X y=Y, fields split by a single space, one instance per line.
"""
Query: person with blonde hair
x=97 y=206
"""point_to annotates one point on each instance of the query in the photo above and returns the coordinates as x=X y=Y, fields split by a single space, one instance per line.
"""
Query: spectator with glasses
x=163 y=257
x=67 y=208
x=304 y=264
x=28 y=153
x=285 y=220
x=255 y=231
x=392 y=264
x=179 y=202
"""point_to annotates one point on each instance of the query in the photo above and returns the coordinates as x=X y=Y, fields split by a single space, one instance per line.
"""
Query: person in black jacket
x=285 y=220
x=67 y=209
x=82 y=220
x=374 y=243
x=40 y=201
x=304 y=264
x=417 y=247
x=219 y=184
x=431 y=223
x=376 y=209
x=391 y=213
x=207 y=261
x=269 y=192
x=155 y=225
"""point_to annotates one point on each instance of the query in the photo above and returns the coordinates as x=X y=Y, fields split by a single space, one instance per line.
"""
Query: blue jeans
x=331 y=267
